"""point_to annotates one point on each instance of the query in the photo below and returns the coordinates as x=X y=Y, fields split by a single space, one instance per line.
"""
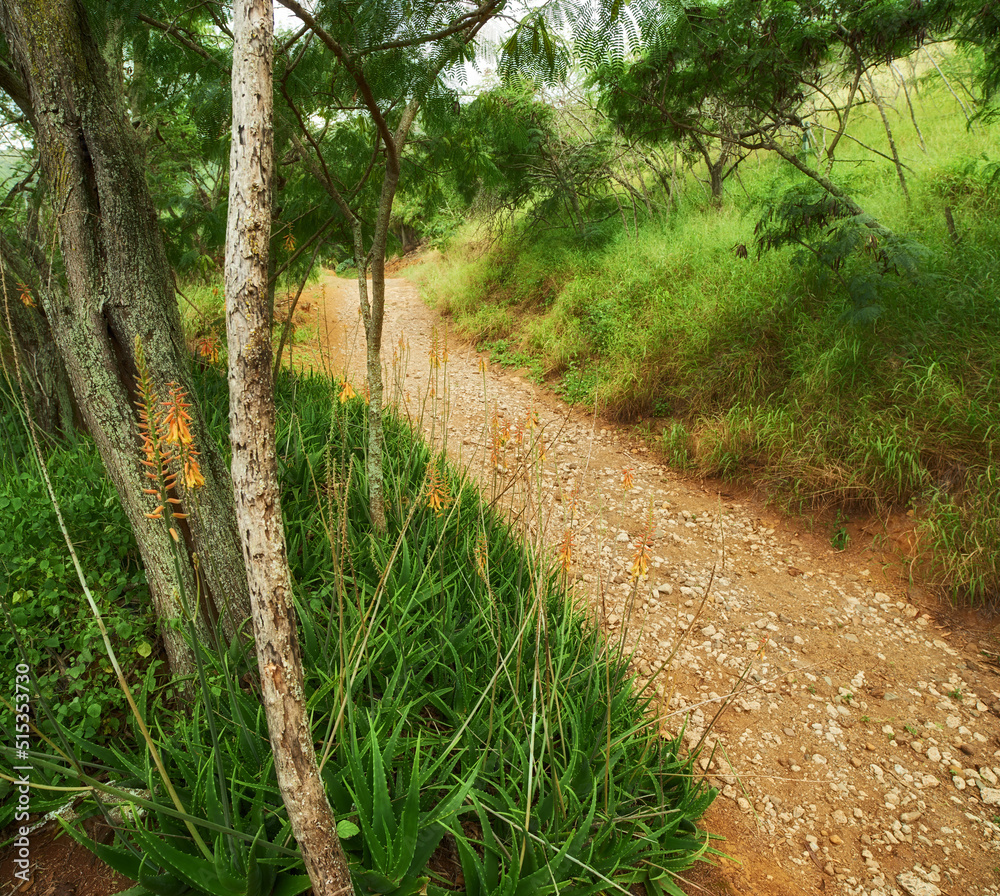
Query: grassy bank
x=770 y=369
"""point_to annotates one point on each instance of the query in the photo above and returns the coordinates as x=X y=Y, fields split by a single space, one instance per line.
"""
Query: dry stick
x=951 y=90
x=90 y=598
x=843 y=121
x=876 y=96
x=291 y=313
x=909 y=105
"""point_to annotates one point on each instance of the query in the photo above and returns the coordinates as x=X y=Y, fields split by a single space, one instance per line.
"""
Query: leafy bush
x=53 y=630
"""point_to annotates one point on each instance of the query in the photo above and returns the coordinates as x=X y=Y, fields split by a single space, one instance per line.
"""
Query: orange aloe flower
x=437 y=490
x=346 y=392
x=208 y=348
x=566 y=550
x=628 y=481
x=193 y=477
x=177 y=417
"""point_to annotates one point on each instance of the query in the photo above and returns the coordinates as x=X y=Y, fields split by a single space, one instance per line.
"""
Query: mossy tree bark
x=118 y=288
x=255 y=465
x=33 y=349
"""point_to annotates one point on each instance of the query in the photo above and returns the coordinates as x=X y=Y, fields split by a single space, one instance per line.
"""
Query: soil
x=850 y=720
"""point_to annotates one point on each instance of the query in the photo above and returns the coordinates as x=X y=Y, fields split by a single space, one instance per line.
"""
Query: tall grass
x=763 y=367
x=475 y=734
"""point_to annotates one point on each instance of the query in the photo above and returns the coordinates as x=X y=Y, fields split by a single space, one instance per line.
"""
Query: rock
x=990 y=795
x=917 y=746
x=915 y=886
x=910 y=817
x=934 y=754
x=965 y=748
x=622 y=537
x=836 y=839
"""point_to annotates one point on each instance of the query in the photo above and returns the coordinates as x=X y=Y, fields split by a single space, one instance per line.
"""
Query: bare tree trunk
x=119 y=290
x=832 y=148
x=373 y=314
x=255 y=468
x=888 y=132
x=909 y=105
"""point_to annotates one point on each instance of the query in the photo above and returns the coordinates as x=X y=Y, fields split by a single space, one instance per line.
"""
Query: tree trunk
x=832 y=148
x=877 y=98
x=373 y=314
x=34 y=350
x=118 y=289
x=715 y=172
x=255 y=466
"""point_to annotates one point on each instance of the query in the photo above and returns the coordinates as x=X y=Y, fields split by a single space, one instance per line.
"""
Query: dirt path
x=861 y=753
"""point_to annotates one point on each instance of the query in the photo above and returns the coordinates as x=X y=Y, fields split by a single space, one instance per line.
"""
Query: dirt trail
x=861 y=754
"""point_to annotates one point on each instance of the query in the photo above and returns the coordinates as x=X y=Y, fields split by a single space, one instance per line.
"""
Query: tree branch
x=181 y=36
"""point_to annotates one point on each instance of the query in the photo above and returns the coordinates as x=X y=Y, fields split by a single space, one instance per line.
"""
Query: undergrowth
x=475 y=734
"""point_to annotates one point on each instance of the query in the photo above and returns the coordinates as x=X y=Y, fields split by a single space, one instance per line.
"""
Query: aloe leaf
x=291 y=885
x=230 y=881
x=409 y=820
x=160 y=884
x=193 y=870
x=472 y=868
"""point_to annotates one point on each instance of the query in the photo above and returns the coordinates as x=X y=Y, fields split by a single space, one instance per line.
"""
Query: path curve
x=861 y=754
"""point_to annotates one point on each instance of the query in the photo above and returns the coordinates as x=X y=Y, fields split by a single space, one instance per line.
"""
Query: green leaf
x=347 y=829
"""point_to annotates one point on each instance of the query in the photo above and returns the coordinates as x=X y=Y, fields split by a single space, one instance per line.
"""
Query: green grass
x=766 y=369
x=462 y=705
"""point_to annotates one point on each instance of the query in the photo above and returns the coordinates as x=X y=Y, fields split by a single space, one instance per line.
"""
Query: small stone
x=622 y=537
x=915 y=886
x=836 y=839
x=708 y=631
x=965 y=748
x=990 y=796
x=959 y=782
x=934 y=754
x=910 y=817
x=917 y=746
